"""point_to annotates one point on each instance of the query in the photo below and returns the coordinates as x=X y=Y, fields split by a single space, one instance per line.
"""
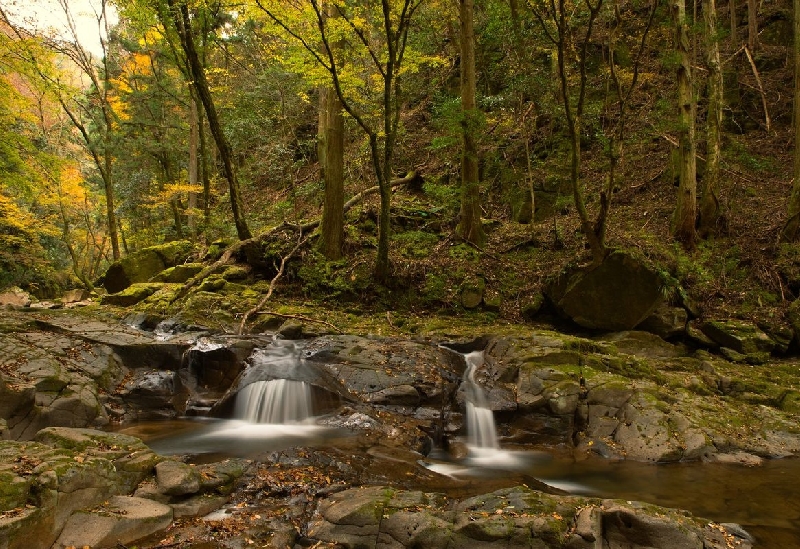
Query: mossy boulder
x=616 y=295
x=143 y=265
x=178 y=273
x=472 y=292
x=131 y=295
x=512 y=517
x=743 y=337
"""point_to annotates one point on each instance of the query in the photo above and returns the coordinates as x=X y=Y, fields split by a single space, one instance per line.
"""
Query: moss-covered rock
x=743 y=337
x=141 y=266
x=178 y=273
x=131 y=295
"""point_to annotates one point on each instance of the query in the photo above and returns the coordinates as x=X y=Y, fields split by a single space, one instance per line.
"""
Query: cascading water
x=481 y=430
x=275 y=401
x=268 y=414
x=280 y=400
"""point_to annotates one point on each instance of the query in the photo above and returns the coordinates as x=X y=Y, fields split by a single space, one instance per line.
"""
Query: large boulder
x=379 y=516
x=141 y=266
x=616 y=295
x=118 y=521
x=14 y=297
x=42 y=483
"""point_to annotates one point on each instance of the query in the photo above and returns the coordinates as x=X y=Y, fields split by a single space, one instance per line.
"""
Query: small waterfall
x=481 y=430
x=276 y=401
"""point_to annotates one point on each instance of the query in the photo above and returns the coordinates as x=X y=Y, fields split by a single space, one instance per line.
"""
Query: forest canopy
x=578 y=127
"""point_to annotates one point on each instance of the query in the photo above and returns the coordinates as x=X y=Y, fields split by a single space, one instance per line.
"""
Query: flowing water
x=481 y=429
x=275 y=401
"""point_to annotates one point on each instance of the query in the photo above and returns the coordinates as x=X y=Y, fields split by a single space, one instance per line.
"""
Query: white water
x=481 y=430
x=277 y=401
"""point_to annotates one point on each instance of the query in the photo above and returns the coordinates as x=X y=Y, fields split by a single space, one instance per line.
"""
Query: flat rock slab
x=121 y=520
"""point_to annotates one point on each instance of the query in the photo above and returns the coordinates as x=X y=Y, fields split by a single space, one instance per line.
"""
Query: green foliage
x=330 y=279
x=436 y=289
x=22 y=257
x=442 y=193
x=414 y=244
x=464 y=252
x=740 y=154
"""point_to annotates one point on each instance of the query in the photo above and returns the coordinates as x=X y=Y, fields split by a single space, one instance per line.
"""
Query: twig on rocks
x=300 y=317
x=302 y=240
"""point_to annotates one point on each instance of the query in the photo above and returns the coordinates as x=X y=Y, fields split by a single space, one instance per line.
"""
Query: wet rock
x=152 y=393
x=177 y=479
x=120 y=520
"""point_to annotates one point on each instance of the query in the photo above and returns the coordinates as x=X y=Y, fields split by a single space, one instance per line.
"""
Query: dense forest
x=403 y=150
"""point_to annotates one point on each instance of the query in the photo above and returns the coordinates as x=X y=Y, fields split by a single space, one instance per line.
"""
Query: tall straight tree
x=709 y=199
x=332 y=161
x=557 y=20
x=683 y=223
x=332 y=225
x=791 y=229
x=177 y=17
x=469 y=227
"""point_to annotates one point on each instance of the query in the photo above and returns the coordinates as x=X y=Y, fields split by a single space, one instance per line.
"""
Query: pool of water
x=764 y=499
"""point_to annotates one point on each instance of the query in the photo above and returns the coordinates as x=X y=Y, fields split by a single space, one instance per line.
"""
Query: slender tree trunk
x=182 y=23
x=791 y=229
x=513 y=5
x=194 y=162
x=204 y=170
x=734 y=24
x=470 y=227
x=322 y=127
x=683 y=228
x=709 y=201
x=333 y=213
x=752 y=24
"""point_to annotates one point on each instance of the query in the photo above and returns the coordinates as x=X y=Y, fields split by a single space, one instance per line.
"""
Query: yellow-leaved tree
x=361 y=51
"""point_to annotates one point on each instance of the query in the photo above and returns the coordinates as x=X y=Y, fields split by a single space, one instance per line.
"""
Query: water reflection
x=764 y=499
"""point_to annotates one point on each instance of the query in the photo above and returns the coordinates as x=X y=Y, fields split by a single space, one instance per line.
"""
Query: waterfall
x=481 y=430
x=275 y=401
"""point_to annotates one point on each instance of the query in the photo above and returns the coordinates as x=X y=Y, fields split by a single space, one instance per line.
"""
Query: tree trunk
x=791 y=230
x=332 y=213
x=194 y=163
x=469 y=226
x=709 y=201
x=182 y=22
x=734 y=24
x=683 y=228
x=752 y=25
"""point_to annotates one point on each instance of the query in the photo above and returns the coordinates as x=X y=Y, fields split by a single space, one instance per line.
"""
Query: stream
x=764 y=499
